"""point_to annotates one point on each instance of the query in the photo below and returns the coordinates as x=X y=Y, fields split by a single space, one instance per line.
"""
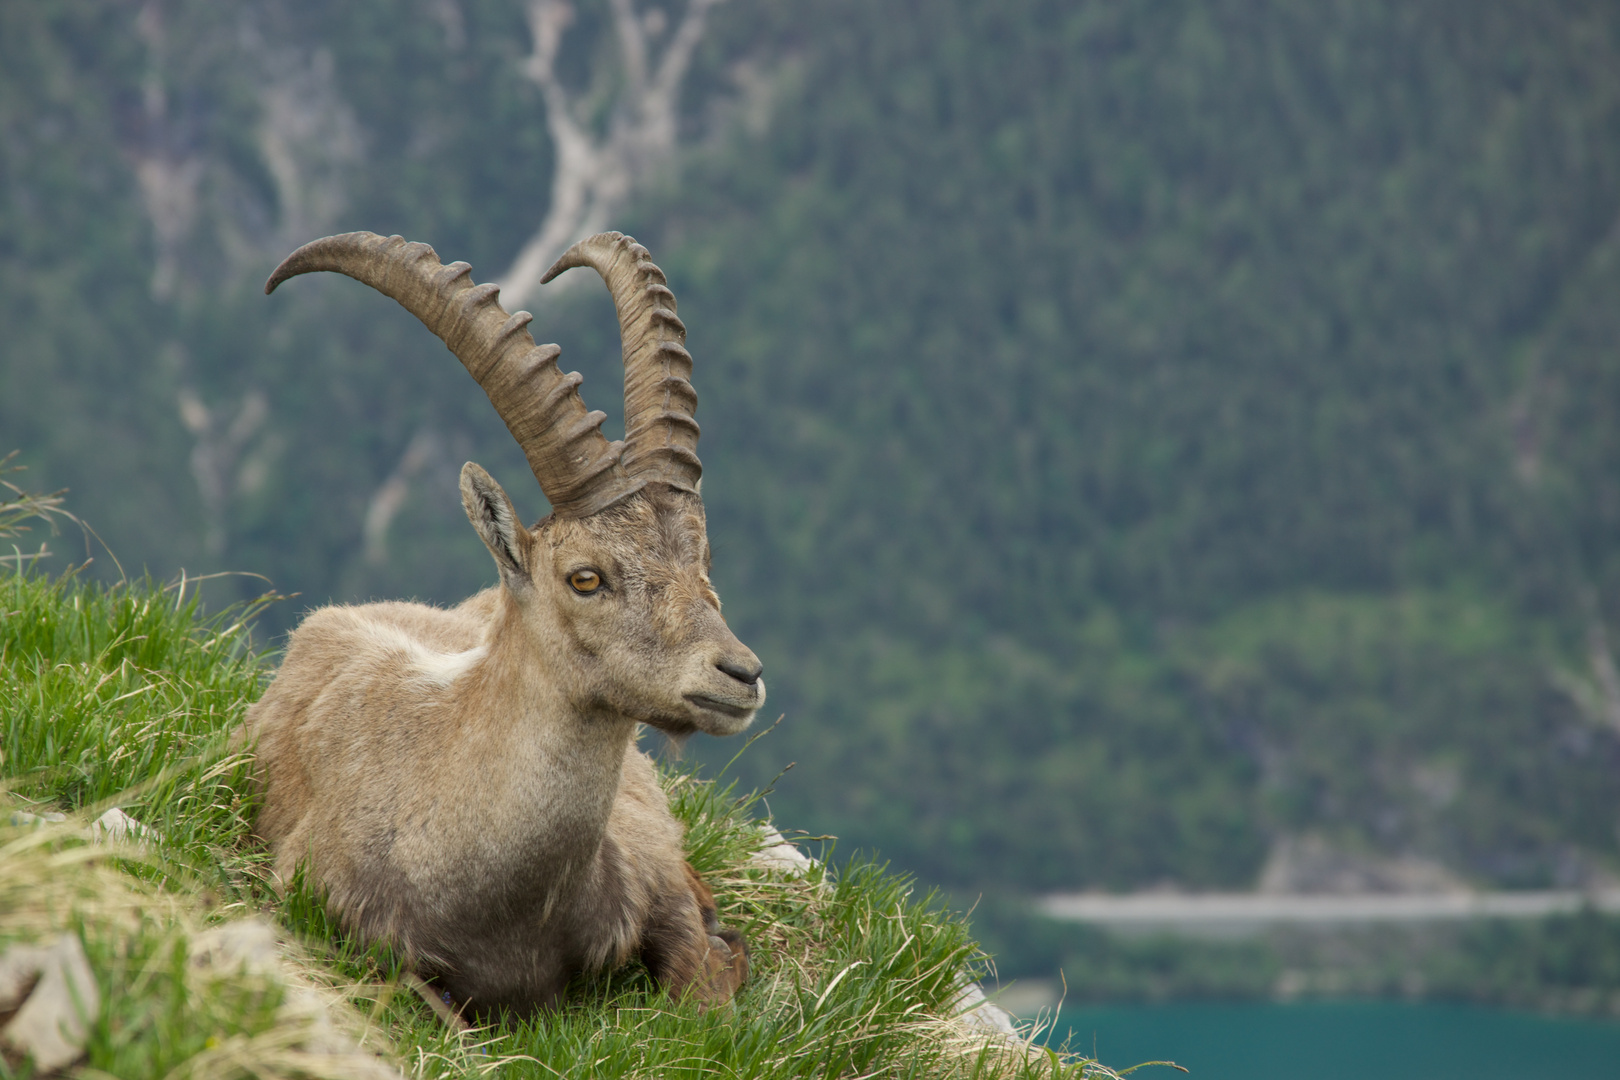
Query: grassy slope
x=126 y=695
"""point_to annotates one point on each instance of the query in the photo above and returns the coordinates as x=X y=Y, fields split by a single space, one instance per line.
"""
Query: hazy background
x=1142 y=440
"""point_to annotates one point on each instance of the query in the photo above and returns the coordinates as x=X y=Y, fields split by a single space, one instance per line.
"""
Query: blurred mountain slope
x=1136 y=434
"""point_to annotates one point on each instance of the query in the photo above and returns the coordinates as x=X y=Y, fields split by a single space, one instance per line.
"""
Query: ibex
x=464 y=783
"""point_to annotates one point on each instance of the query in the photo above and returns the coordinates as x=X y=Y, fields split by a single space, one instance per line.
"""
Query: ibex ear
x=491 y=513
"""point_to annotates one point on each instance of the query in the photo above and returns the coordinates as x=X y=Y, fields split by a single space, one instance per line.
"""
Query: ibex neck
x=546 y=774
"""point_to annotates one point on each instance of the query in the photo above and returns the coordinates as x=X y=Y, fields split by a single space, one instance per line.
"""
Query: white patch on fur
x=436 y=668
x=442 y=669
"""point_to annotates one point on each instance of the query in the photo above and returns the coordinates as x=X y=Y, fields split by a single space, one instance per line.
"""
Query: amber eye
x=585 y=581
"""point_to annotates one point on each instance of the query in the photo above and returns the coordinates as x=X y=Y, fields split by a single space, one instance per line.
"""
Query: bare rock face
x=50 y=995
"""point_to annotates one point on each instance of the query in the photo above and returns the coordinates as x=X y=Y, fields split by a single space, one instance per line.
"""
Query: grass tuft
x=17 y=506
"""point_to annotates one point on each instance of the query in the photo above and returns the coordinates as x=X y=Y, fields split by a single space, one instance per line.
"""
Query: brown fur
x=464 y=783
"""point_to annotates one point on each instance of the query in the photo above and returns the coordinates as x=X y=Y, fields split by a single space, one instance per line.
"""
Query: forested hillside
x=1135 y=434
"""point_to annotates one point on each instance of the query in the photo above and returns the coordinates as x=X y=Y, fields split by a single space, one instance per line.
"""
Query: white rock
x=23 y=817
x=776 y=853
x=245 y=945
x=53 y=1023
x=977 y=1011
x=119 y=827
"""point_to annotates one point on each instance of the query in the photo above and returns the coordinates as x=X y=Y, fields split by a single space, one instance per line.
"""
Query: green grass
x=126 y=695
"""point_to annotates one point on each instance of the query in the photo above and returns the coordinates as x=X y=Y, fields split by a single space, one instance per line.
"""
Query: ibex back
x=464 y=783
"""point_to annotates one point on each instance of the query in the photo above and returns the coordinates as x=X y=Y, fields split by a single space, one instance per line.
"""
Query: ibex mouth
x=724 y=708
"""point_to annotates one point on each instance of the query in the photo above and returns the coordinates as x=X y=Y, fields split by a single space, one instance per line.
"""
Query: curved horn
x=567 y=452
x=660 y=434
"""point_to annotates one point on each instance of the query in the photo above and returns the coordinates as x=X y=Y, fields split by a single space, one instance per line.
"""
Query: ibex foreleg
x=686 y=949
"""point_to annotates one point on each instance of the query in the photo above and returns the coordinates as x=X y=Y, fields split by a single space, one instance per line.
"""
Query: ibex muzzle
x=464 y=783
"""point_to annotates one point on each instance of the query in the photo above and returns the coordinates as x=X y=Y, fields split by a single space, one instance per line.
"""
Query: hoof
x=725 y=968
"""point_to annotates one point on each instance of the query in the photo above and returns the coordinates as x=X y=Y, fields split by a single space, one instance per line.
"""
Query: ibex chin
x=464 y=783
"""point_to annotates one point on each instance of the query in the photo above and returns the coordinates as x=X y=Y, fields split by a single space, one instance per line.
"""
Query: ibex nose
x=746 y=670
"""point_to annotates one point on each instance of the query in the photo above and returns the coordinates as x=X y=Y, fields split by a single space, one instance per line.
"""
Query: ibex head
x=612 y=588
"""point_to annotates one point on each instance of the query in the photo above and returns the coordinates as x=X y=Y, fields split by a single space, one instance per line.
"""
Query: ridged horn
x=540 y=405
x=660 y=434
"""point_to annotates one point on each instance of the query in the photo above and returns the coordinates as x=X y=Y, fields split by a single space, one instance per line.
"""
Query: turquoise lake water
x=1364 y=1040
